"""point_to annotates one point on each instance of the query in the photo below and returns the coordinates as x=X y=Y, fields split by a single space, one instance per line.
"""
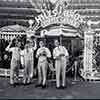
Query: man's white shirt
x=15 y=52
x=40 y=51
x=60 y=50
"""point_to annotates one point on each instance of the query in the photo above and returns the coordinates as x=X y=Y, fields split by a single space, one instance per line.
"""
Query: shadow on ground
x=79 y=90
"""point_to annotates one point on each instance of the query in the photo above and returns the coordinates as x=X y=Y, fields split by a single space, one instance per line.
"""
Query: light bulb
x=53 y=1
x=30 y=22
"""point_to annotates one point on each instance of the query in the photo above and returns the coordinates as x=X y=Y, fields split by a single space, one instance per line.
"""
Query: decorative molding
x=85 y=4
x=12 y=33
x=88 y=47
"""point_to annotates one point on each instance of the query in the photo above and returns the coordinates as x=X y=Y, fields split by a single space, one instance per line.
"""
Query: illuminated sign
x=68 y=17
x=59 y=15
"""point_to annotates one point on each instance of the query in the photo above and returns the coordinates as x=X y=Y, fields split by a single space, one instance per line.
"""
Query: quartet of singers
x=26 y=58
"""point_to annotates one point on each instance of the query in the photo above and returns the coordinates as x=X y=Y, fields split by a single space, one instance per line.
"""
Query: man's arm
x=8 y=47
x=22 y=58
x=48 y=53
x=54 y=54
x=66 y=52
x=35 y=45
x=37 y=53
x=66 y=55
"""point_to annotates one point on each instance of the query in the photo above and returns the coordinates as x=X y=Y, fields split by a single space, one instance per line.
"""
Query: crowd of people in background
x=5 y=56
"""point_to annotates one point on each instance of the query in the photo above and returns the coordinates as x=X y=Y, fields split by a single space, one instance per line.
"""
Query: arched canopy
x=61 y=30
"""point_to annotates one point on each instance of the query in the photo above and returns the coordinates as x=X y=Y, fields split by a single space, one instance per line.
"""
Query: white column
x=88 y=49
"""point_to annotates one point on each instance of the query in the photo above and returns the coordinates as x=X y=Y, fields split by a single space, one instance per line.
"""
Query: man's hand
x=35 y=39
x=61 y=55
x=57 y=57
x=10 y=42
x=44 y=53
x=39 y=55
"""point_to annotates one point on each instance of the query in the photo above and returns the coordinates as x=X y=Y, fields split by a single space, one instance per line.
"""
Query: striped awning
x=13 y=28
x=59 y=32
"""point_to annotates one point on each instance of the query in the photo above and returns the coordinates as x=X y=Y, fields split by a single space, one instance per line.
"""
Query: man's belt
x=61 y=55
x=42 y=55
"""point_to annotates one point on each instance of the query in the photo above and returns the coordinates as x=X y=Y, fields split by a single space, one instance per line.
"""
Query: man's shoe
x=17 y=83
x=58 y=87
x=13 y=85
x=43 y=86
x=28 y=83
x=38 y=85
x=25 y=84
x=63 y=87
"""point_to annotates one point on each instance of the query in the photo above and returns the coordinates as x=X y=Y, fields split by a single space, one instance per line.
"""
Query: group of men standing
x=43 y=54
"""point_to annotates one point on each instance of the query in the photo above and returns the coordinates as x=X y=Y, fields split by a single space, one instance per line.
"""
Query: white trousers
x=14 y=71
x=42 y=72
x=32 y=69
x=31 y=65
x=60 y=66
x=28 y=71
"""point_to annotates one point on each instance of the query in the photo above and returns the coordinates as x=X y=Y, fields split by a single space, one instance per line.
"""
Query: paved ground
x=80 y=90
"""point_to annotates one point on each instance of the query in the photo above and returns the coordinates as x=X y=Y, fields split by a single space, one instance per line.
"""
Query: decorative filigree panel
x=88 y=48
x=96 y=53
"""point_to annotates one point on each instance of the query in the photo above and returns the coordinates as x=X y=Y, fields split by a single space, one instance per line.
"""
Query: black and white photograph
x=49 y=49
